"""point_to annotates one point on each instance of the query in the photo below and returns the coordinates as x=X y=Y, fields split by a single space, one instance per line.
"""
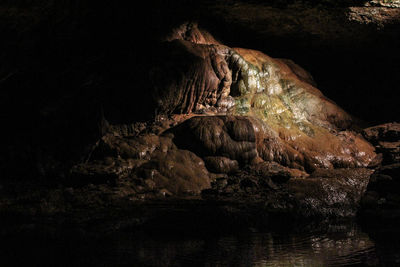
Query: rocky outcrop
x=382 y=199
x=231 y=124
x=152 y=164
x=294 y=123
x=190 y=77
x=323 y=194
x=232 y=137
x=330 y=193
x=235 y=125
x=190 y=31
x=219 y=164
x=115 y=122
x=385 y=138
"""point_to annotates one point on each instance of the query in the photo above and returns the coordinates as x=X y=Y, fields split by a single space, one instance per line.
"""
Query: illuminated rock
x=152 y=160
x=294 y=123
x=232 y=137
x=220 y=109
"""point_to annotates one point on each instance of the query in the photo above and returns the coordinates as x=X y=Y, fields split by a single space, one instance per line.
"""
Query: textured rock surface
x=69 y=57
x=153 y=163
x=333 y=193
x=294 y=123
x=305 y=30
x=190 y=77
x=382 y=199
x=385 y=138
x=220 y=164
x=232 y=124
x=324 y=193
x=228 y=136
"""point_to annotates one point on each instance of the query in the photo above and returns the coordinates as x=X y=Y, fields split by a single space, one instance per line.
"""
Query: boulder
x=388 y=132
x=221 y=164
x=232 y=137
x=181 y=172
x=385 y=138
x=277 y=173
x=381 y=202
x=333 y=193
x=151 y=162
x=382 y=199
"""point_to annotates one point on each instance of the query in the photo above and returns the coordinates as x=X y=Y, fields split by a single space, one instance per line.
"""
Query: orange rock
x=294 y=123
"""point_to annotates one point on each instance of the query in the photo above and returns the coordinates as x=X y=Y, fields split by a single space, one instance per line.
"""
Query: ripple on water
x=340 y=247
x=336 y=246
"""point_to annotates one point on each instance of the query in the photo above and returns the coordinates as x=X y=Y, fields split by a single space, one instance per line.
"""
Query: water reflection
x=336 y=246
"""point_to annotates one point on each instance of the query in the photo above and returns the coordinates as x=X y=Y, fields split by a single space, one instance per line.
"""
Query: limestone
x=278 y=174
x=190 y=76
x=336 y=196
x=294 y=123
x=388 y=132
x=382 y=199
x=236 y=122
x=227 y=136
x=221 y=164
x=178 y=171
x=385 y=138
x=152 y=161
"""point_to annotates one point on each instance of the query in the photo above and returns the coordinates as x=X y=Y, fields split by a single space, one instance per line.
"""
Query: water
x=338 y=245
x=338 y=248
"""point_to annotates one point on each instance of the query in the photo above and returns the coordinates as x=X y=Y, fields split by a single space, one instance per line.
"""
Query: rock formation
x=294 y=123
x=235 y=123
x=227 y=123
x=381 y=202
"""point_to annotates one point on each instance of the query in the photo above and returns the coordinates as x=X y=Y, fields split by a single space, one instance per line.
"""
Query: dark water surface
x=337 y=245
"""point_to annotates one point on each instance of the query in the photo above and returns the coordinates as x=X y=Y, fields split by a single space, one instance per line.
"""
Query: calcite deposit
x=233 y=123
x=229 y=124
x=294 y=123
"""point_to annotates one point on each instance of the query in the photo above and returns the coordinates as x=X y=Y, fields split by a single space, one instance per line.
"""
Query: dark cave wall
x=57 y=48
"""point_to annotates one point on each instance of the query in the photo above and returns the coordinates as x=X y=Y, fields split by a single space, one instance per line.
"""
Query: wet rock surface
x=385 y=138
x=227 y=136
x=152 y=162
x=334 y=193
x=382 y=199
x=294 y=123
x=323 y=194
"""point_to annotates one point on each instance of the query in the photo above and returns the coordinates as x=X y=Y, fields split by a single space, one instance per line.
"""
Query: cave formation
x=287 y=107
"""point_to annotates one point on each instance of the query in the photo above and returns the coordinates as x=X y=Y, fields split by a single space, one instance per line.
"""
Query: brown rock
x=388 y=132
x=221 y=164
x=294 y=123
x=191 y=32
x=277 y=173
x=227 y=136
x=337 y=196
x=178 y=171
x=386 y=139
x=190 y=76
